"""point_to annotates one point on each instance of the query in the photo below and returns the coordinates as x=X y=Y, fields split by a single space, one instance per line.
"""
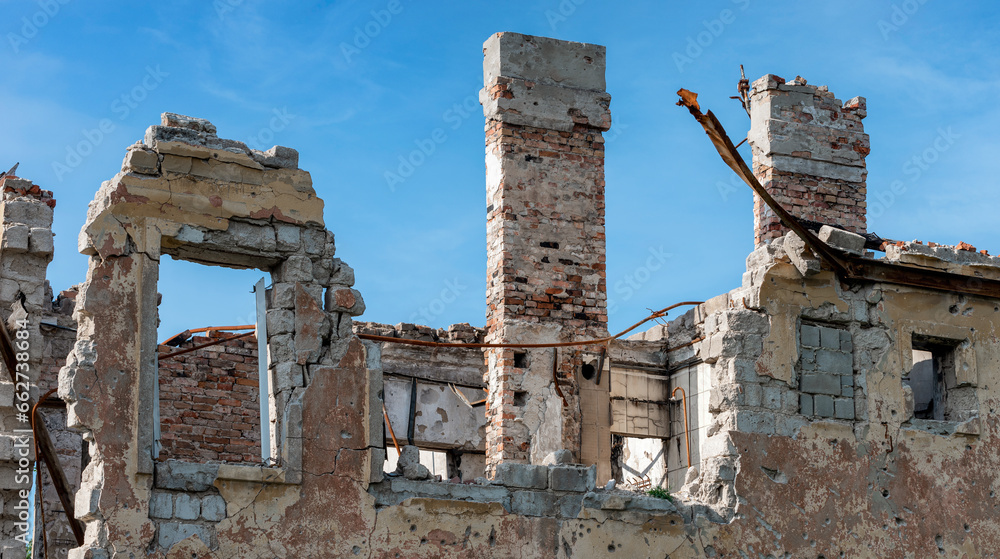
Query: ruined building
x=840 y=402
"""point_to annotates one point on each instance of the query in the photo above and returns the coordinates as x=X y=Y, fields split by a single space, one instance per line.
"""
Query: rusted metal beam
x=847 y=266
x=44 y=442
x=927 y=278
x=732 y=158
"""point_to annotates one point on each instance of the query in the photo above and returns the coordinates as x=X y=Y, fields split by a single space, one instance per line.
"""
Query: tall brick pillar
x=545 y=109
x=809 y=153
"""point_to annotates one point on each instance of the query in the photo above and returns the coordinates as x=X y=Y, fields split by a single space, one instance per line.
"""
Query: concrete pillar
x=809 y=153
x=545 y=109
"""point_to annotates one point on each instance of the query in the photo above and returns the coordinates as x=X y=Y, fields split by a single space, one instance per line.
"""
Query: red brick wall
x=209 y=407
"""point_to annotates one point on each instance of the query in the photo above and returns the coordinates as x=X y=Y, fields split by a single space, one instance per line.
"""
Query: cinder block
x=809 y=335
x=753 y=395
x=213 y=508
x=315 y=241
x=40 y=241
x=533 y=503
x=844 y=240
x=171 y=533
x=847 y=385
x=528 y=476
x=288 y=236
x=15 y=238
x=342 y=273
x=278 y=156
x=161 y=505
x=807 y=360
x=572 y=478
x=295 y=268
x=845 y=341
x=176 y=164
x=280 y=321
x=142 y=161
x=772 y=397
x=187 y=507
x=569 y=505
x=282 y=296
x=829 y=337
x=844 y=408
x=835 y=362
x=821 y=383
x=823 y=405
x=755 y=422
x=185 y=476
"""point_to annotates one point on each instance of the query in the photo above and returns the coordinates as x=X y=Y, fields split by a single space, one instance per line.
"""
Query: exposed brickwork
x=809 y=152
x=564 y=277
x=209 y=407
x=546 y=247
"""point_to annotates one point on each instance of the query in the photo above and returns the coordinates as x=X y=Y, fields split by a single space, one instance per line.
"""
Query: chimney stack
x=546 y=107
x=809 y=153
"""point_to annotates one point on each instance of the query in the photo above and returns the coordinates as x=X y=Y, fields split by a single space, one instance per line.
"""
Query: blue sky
x=355 y=85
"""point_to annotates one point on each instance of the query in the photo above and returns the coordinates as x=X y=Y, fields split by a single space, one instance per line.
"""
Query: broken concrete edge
x=534 y=500
x=201 y=132
x=544 y=83
x=201 y=476
x=455 y=333
x=961 y=258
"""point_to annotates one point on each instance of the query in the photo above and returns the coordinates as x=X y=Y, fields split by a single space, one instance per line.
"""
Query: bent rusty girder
x=847 y=266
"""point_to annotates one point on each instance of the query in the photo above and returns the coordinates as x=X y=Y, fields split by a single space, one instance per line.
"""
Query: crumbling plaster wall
x=859 y=485
x=25 y=252
x=187 y=193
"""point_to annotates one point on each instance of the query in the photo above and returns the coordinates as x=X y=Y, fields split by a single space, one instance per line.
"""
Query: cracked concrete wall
x=545 y=109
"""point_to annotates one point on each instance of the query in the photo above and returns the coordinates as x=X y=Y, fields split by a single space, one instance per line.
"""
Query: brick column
x=545 y=109
x=809 y=153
